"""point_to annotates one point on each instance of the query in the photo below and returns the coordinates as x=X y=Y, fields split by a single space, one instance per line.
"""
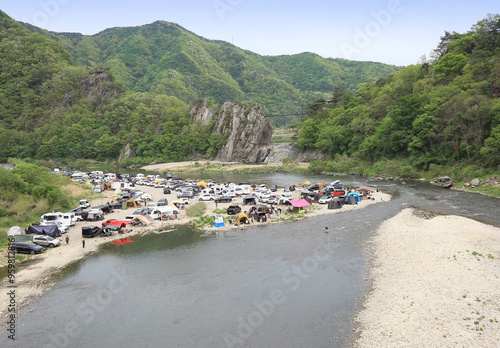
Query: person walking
x=83 y=242
x=67 y=239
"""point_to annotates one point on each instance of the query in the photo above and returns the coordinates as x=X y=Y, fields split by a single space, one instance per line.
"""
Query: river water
x=283 y=285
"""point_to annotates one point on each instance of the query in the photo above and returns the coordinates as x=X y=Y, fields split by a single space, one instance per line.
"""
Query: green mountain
x=443 y=111
x=164 y=58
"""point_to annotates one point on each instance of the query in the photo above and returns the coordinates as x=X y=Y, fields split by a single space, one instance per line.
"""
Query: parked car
x=167 y=191
x=325 y=199
x=162 y=202
x=274 y=188
x=84 y=203
x=28 y=248
x=206 y=197
x=185 y=194
x=46 y=241
x=223 y=199
x=233 y=210
x=90 y=231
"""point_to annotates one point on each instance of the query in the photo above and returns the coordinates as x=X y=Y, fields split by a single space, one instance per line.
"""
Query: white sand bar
x=435 y=284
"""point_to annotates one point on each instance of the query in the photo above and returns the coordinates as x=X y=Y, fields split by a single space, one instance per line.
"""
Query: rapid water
x=283 y=285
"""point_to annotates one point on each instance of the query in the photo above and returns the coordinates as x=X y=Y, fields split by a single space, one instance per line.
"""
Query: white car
x=206 y=197
x=84 y=203
x=325 y=199
x=147 y=196
x=46 y=241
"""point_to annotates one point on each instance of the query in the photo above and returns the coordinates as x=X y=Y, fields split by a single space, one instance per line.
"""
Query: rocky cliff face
x=247 y=132
x=97 y=86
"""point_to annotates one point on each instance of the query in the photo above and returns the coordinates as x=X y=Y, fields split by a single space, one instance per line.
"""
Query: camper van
x=158 y=212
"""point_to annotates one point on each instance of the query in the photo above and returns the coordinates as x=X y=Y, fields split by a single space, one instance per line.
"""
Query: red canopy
x=118 y=223
x=300 y=203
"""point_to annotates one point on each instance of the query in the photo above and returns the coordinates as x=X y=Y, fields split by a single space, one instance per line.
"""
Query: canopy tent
x=202 y=183
x=117 y=223
x=219 y=221
x=364 y=188
x=299 y=205
x=178 y=203
x=49 y=230
x=15 y=231
x=306 y=183
x=242 y=218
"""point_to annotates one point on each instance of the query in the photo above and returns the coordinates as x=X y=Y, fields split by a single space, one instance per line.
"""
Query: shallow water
x=286 y=285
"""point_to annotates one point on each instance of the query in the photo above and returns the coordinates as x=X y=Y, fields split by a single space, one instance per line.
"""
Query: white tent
x=15 y=231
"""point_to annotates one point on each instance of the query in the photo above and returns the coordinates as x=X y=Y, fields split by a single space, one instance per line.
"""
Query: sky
x=395 y=32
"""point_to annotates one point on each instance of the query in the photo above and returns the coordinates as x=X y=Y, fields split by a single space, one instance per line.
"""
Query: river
x=283 y=285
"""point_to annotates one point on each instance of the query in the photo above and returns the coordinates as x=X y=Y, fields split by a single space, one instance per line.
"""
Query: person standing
x=67 y=239
x=83 y=242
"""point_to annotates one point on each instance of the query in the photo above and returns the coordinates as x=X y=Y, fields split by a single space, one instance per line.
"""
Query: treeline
x=441 y=111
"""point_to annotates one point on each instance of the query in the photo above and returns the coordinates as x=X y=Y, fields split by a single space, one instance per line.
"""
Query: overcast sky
x=390 y=31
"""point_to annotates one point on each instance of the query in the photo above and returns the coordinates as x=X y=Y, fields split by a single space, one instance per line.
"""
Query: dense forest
x=443 y=111
x=164 y=58
x=149 y=78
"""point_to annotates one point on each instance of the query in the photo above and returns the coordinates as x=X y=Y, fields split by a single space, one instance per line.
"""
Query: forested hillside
x=442 y=111
x=164 y=58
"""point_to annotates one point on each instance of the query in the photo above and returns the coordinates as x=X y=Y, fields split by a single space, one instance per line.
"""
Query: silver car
x=46 y=241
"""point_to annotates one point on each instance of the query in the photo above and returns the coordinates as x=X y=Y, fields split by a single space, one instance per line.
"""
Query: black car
x=273 y=188
x=167 y=191
x=223 y=199
x=27 y=247
x=233 y=210
x=90 y=231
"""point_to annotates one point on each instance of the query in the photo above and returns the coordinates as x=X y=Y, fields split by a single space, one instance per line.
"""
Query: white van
x=68 y=219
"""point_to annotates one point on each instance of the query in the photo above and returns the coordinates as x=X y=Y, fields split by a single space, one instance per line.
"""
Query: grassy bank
x=29 y=191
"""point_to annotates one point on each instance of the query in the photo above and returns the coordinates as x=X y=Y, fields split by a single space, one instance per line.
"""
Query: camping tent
x=299 y=205
x=242 y=219
x=335 y=203
x=219 y=222
x=49 y=230
x=249 y=200
x=355 y=194
x=132 y=203
x=15 y=231
x=142 y=220
x=350 y=200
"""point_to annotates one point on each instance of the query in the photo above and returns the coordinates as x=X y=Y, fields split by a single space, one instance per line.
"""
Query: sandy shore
x=435 y=284
x=194 y=166
x=33 y=279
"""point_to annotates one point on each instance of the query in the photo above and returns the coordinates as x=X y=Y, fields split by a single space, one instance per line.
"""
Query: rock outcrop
x=247 y=132
x=98 y=86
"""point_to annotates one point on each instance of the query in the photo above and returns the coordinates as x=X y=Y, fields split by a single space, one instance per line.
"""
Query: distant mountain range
x=164 y=58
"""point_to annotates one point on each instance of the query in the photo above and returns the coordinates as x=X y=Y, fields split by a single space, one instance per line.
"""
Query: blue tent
x=358 y=198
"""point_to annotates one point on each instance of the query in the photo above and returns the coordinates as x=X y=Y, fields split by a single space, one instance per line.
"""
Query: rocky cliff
x=247 y=132
x=98 y=86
